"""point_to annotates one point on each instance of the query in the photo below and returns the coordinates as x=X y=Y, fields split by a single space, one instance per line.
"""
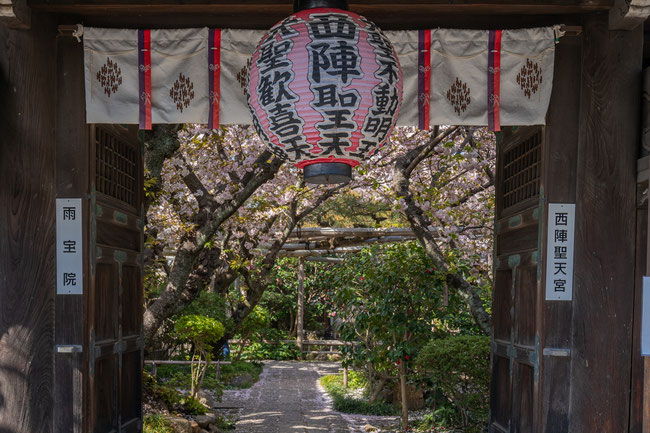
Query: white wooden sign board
x=559 y=252
x=69 y=247
x=645 y=318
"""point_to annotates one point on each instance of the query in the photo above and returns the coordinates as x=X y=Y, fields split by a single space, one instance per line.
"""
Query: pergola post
x=301 y=303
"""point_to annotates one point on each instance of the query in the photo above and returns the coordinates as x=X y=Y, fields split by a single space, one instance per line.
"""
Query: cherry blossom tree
x=442 y=183
x=210 y=205
x=445 y=188
x=223 y=206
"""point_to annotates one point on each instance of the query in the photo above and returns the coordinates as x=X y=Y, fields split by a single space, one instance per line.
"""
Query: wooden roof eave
x=262 y=14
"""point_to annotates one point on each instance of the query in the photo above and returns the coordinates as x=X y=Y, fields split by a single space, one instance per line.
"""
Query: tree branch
x=419 y=223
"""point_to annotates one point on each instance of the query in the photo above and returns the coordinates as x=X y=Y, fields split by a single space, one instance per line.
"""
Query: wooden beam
x=628 y=14
x=262 y=14
x=307 y=253
x=639 y=396
x=329 y=343
x=173 y=362
x=325 y=259
x=410 y=19
x=293 y=246
x=440 y=6
x=338 y=232
x=15 y=14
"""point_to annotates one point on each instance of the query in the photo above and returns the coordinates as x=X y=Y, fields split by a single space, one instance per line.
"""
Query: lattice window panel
x=116 y=173
x=521 y=171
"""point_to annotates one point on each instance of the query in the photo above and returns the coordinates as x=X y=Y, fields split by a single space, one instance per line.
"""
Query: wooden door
x=515 y=346
x=114 y=301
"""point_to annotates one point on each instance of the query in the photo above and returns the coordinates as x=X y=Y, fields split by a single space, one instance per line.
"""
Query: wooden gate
x=561 y=366
x=114 y=299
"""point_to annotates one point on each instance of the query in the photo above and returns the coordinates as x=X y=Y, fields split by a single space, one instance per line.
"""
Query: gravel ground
x=288 y=398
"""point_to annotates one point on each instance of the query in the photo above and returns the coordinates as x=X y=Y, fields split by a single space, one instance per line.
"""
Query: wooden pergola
x=72 y=362
x=318 y=241
x=327 y=244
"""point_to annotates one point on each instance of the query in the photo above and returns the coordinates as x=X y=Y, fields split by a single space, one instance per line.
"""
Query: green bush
x=363 y=407
x=252 y=328
x=164 y=393
x=459 y=367
x=193 y=406
x=174 y=400
x=179 y=375
x=225 y=424
x=256 y=322
x=445 y=416
x=342 y=402
x=333 y=384
x=277 y=351
x=237 y=368
x=213 y=305
x=156 y=423
x=202 y=332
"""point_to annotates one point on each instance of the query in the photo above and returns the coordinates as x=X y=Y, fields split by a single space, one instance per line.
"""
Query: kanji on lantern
x=324 y=86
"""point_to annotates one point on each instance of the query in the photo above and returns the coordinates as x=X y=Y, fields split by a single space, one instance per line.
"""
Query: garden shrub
x=202 y=332
x=459 y=367
x=174 y=400
x=163 y=393
x=193 y=406
x=238 y=368
x=208 y=304
x=342 y=402
x=179 y=375
x=252 y=328
x=444 y=416
x=156 y=423
x=277 y=351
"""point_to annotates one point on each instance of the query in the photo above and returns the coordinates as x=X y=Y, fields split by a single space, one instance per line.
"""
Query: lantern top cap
x=300 y=5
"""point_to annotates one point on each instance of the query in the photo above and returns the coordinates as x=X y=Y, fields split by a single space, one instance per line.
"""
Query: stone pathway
x=287 y=399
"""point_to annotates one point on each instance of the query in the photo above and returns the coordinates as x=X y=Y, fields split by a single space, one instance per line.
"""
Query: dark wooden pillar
x=603 y=300
x=28 y=89
x=72 y=171
x=558 y=186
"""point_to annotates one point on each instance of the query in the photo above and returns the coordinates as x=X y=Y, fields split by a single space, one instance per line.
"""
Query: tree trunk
x=195 y=264
x=242 y=344
x=201 y=369
x=402 y=388
x=293 y=324
x=379 y=387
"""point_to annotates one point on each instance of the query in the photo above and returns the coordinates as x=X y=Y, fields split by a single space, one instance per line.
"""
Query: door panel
x=516 y=284
x=114 y=327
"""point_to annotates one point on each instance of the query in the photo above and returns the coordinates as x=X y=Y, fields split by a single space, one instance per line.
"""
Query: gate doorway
x=557 y=366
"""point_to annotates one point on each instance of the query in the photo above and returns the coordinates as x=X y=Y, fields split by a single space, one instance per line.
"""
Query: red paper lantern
x=324 y=87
